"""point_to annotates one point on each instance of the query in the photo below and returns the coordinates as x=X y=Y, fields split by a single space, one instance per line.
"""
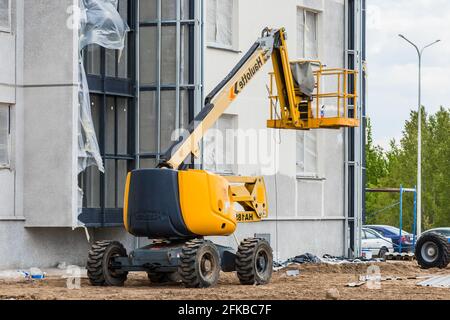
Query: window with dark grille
x=170 y=77
x=136 y=131
x=111 y=77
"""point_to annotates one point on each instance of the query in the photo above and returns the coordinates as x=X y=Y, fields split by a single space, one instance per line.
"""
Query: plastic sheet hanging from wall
x=100 y=24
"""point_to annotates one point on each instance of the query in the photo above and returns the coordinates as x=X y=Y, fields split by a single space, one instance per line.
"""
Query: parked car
x=376 y=243
x=433 y=248
x=442 y=231
x=393 y=233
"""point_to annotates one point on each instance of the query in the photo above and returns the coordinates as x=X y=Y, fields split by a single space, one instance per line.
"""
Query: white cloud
x=393 y=62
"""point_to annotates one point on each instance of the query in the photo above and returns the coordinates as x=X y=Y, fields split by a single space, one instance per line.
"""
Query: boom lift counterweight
x=180 y=207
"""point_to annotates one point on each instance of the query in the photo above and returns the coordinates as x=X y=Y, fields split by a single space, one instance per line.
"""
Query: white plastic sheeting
x=101 y=24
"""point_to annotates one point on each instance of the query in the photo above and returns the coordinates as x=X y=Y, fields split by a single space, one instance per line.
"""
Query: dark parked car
x=393 y=233
x=442 y=231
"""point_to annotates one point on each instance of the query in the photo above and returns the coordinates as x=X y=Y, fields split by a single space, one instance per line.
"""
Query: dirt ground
x=312 y=283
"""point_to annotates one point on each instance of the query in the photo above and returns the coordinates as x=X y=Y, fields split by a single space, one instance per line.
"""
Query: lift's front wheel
x=200 y=264
x=99 y=265
x=254 y=262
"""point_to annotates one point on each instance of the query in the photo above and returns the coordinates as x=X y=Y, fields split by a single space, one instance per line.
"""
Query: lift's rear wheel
x=200 y=264
x=99 y=265
x=432 y=251
x=254 y=262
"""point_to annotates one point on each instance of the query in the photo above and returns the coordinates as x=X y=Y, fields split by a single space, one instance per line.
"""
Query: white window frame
x=302 y=173
x=7 y=165
x=234 y=30
x=302 y=54
x=7 y=29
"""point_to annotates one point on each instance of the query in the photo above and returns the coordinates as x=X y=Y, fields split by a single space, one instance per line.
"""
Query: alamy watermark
x=373 y=277
x=230 y=148
x=73 y=276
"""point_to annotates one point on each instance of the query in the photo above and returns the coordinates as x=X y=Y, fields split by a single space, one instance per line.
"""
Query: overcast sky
x=392 y=62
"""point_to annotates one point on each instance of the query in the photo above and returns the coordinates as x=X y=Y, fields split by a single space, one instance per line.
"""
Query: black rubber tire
x=382 y=253
x=441 y=247
x=200 y=264
x=98 y=265
x=249 y=266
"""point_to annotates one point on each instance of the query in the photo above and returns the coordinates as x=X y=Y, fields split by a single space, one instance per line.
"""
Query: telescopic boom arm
x=222 y=96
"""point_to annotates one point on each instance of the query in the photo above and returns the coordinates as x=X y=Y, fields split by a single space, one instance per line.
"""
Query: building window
x=307 y=158
x=220 y=23
x=111 y=78
x=307 y=48
x=307 y=34
x=5 y=15
x=5 y=136
x=220 y=146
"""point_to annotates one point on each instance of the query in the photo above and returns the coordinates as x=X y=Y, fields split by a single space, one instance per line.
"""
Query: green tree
x=401 y=169
x=376 y=158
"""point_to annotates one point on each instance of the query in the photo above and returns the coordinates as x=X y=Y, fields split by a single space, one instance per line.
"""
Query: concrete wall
x=51 y=111
x=306 y=209
x=8 y=98
x=22 y=247
x=38 y=78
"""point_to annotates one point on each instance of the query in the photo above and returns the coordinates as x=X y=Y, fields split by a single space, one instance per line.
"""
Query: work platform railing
x=332 y=109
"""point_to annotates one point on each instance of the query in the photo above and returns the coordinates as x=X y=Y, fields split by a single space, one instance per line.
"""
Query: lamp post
x=419 y=135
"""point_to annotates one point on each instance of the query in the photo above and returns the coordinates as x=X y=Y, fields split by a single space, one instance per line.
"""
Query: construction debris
x=356 y=284
x=301 y=259
x=436 y=282
x=305 y=258
x=22 y=275
x=400 y=256
x=309 y=258
x=342 y=260
x=333 y=294
x=292 y=273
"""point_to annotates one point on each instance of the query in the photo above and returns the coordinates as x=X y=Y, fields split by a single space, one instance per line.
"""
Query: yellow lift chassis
x=176 y=207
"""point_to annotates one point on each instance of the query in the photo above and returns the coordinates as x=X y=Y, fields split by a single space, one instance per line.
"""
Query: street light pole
x=419 y=135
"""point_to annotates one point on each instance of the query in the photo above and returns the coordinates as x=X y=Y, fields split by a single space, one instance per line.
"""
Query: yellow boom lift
x=177 y=207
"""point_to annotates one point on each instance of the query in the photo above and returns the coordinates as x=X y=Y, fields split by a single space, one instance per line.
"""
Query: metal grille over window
x=103 y=130
x=101 y=24
x=135 y=130
x=4 y=136
x=220 y=22
x=170 y=73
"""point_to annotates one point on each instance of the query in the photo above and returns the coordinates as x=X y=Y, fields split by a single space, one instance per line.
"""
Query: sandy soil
x=313 y=283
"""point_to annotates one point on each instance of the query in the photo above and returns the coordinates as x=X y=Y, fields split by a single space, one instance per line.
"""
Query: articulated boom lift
x=179 y=207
